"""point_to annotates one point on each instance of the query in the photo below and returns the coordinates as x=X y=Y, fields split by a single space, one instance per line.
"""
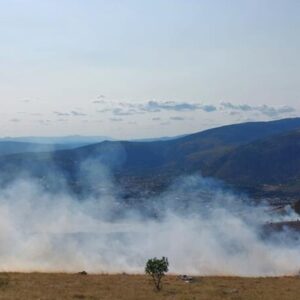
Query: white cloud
x=270 y=111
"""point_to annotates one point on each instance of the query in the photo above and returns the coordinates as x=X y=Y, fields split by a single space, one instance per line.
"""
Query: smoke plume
x=202 y=227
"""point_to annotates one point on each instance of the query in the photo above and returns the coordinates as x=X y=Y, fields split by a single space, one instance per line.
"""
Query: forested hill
x=249 y=155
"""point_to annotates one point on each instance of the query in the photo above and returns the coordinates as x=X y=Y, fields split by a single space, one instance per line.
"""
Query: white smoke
x=201 y=227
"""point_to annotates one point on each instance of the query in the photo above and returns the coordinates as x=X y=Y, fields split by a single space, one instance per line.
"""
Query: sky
x=138 y=69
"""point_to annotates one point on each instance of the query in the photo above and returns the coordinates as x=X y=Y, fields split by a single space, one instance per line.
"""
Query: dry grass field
x=128 y=287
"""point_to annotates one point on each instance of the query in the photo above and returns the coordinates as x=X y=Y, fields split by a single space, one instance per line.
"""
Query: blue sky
x=146 y=68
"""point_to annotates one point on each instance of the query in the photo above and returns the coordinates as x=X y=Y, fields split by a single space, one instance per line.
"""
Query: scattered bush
x=4 y=280
x=157 y=268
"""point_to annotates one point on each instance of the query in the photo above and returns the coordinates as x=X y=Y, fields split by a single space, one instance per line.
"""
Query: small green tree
x=157 y=268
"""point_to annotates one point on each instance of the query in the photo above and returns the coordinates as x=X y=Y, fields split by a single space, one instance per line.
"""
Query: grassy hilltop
x=122 y=287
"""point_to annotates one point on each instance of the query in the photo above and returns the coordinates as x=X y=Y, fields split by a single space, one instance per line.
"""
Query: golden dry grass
x=128 y=287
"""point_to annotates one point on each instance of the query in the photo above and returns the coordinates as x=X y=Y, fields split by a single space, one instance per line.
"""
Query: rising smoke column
x=202 y=227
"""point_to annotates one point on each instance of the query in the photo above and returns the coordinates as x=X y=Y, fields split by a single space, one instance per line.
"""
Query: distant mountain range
x=12 y=145
x=61 y=140
x=262 y=158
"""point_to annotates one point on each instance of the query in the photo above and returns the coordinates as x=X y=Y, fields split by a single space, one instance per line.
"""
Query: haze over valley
x=80 y=208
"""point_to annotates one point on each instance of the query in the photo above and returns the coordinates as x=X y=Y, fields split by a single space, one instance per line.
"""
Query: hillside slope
x=248 y=155
x=272 y=164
